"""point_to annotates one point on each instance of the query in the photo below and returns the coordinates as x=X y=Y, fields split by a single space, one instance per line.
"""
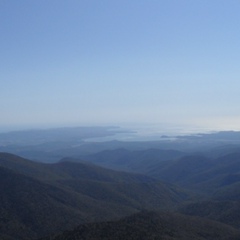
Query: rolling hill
x=152 y=225
x=39 y=199
x=227 y=212
x=141 y=161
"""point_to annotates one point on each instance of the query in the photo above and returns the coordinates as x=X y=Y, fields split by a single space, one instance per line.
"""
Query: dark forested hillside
x=218 y=177
x=39 y=199
x=30 y=208
x=141 y=161
x=149 y=226
x=227 y=212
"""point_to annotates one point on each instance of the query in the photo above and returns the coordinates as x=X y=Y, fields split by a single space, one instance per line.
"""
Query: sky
x=120 y=62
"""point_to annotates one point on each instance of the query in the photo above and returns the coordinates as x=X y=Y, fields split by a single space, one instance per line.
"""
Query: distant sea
x=151 y=133
x=137 y=132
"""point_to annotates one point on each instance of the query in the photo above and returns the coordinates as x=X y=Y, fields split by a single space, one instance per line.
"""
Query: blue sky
x=112 y=62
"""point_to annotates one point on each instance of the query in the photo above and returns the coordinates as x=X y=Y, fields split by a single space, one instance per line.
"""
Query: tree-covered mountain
x=39 y=199
x=152 y=225
x=30 y=208
x=227 y=212
x=140 y=161
x=218 y=177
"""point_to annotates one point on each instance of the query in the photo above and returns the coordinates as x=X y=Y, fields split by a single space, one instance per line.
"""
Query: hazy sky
x=83 y=62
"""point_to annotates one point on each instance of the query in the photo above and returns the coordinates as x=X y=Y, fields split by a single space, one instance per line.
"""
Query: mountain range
x=122 y=190
x=39 y=199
